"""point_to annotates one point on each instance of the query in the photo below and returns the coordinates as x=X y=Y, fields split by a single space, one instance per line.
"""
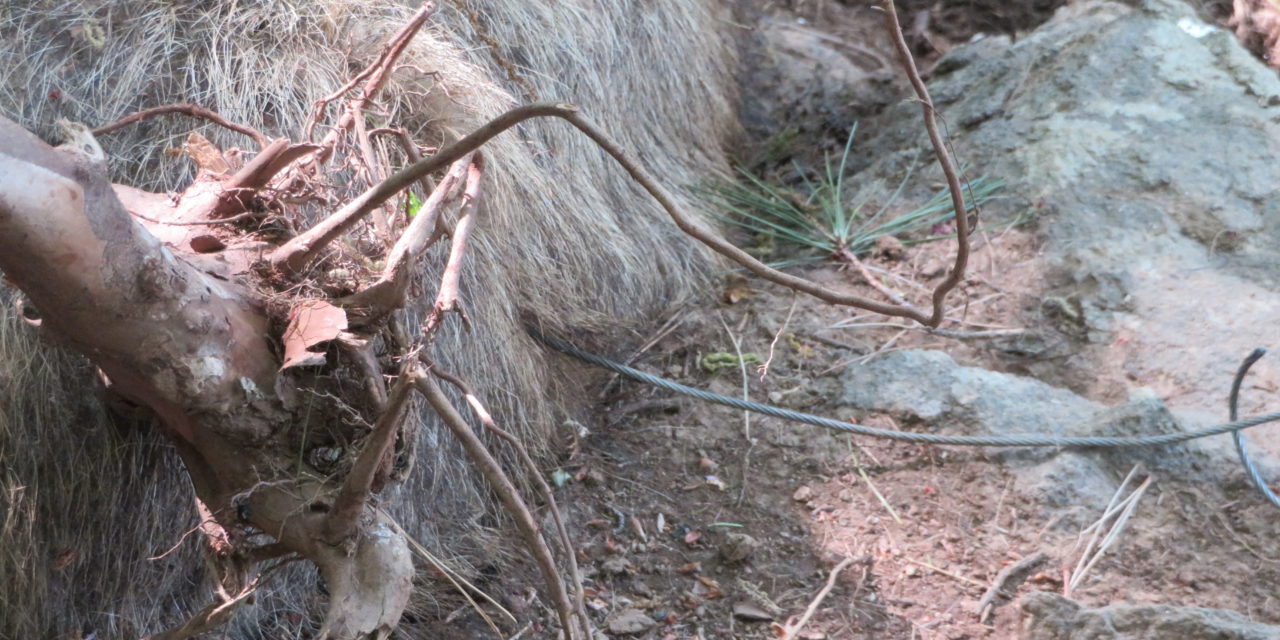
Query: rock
x=737 y=547
x=750 y=612
x=803 y=494
x=1053 y=617
x=805 y=72
x=1146 y=140
x=890 y=248
x=929 y=387
x=616 y=566
x=594 y=478
x=206 y=243
x=628 y=622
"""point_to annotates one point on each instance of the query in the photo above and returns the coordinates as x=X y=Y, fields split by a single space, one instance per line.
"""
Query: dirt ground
x=712 y=524
x=716 y=525
x=697 y=521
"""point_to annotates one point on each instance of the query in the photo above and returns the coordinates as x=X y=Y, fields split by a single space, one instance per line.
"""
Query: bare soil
x=931 y=526
x=661 y=489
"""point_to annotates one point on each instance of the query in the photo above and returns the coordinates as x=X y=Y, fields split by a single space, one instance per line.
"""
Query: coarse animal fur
x=89 y=511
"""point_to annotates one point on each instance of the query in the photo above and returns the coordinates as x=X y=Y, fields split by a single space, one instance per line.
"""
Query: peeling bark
x=195 y=349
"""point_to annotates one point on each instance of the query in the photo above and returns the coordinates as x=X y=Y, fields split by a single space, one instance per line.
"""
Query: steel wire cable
x=1029 y=440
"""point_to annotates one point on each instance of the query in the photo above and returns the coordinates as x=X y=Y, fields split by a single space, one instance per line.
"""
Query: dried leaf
x=310 y=323
x=713 y=587
x=707 y=589
x=64 y=559
x=692 y=567
x=734 y=295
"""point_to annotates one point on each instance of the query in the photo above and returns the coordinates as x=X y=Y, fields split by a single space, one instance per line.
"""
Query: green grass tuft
x=817 y=217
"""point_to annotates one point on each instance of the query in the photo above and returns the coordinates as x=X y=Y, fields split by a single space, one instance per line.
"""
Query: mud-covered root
x=369 y=586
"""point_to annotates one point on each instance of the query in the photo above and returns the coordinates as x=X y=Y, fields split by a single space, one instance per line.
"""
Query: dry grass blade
x=793 y=630
x=459 y=583
x=1121 y=510
x=862 y=471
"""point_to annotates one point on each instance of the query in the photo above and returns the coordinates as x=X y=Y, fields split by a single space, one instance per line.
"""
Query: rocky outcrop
x=1053 y=617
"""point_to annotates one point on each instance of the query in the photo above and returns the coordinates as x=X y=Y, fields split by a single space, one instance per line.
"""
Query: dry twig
x=295 y=254
x=507 y=494
x=447 y=297
x=193 y=110
x=944 y=160
x=871 y=280
x=763 y=369
x=793 y=630
x=544 y=489
x=1007 y=583
x=194 y=223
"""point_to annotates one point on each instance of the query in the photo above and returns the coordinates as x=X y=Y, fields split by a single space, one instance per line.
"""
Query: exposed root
x=369 y=581
x=372 y=466
x=447 y=298
x=568 y=550
x=507 y=494
x=193 y=110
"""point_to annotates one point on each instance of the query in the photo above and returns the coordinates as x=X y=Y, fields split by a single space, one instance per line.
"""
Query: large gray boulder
x=1052 y=617
x=930 y=392
x=1148 y=142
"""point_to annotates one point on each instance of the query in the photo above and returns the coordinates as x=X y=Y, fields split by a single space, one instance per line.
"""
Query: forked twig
x=215 y=614
x=763 y=369
x=377 y=75
x=447 y=297
x=944 y=161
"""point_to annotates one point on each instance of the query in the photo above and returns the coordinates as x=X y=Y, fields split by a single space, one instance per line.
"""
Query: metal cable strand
x=1073 y=442
x=1232 y=403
